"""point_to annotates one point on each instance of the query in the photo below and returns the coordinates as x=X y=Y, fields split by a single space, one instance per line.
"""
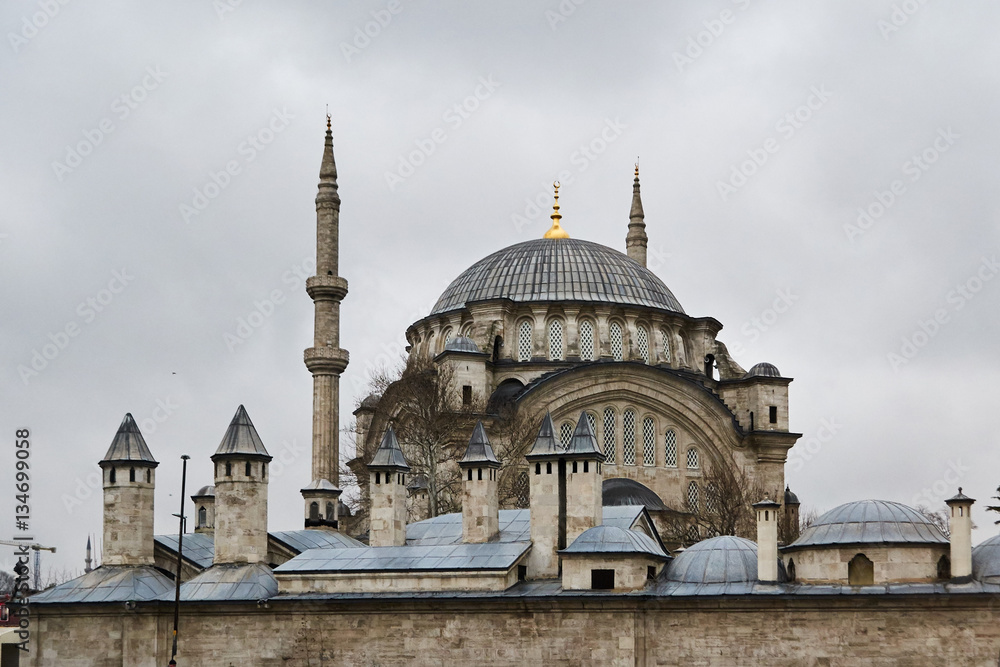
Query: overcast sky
x=763 y=129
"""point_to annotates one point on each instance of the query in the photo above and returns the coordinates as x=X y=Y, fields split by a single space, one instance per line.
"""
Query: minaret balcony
x=326 y=287
x=326 y=359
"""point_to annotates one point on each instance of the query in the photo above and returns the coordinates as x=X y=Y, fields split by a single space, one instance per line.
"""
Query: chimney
x=129 y=482
x=241 y=494
x=767 y=540
x=204 y=509
x=480 y=501
x=547 y=479
x=387 y=489
x=584 y=488
x=960 y=528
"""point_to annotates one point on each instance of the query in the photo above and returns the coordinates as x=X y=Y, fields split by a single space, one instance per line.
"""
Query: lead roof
x=870 y=522
x=128 y=444
x=241 y=438
x=479 y=450
x=389 y=455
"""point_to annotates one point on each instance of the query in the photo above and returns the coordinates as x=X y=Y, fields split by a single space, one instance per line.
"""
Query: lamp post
x=180 y=546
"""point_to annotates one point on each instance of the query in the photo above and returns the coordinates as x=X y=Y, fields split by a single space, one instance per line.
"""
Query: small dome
x=614 y=539
x=205 y=492
x=718 y=560
x=462 y=344
x=763 y=369
x=618 y=491
x=986 y=561
x=790 y=497
x=371 y=401
x=871 y=522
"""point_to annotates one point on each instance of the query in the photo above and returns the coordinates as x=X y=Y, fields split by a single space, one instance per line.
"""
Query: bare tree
x=995 y=508
x=512 y=433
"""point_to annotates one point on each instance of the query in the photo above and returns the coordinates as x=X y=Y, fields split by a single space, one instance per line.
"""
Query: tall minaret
x=635 y=240
x=325 y=359
x=87 y=561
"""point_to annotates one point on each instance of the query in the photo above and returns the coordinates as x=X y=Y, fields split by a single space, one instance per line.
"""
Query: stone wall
x=779 y=631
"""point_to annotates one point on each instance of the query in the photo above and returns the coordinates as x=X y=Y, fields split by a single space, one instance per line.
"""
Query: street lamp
x=180 y=547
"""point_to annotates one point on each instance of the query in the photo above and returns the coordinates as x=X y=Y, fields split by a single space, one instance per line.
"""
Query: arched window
x=586 y=340
x=229 y=469
x=609 y=436
x=111 y=477
x=202 y=517
x=666 y=345
x=648 y=442
x=522 y=488
x=692 y=458
x=329 y=511
x=628 y=438
x=555 y=340
x=860 y=571
x=790 y=570
x=524 y=340
x=263 y=471
x=467 y=330
x=565 y=433
x=592 y=422
x=248 y=471
x=446 y=337
x=642 y=343
x=314 y=511
x=617 y=341
x=670 y=449
x=149 y=476
x=711 y=497
x=131 y=474
x=693 y=536
x=944 y=568
x=693 y=496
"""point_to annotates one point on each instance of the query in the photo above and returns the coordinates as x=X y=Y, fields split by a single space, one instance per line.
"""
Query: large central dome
x=558 y=270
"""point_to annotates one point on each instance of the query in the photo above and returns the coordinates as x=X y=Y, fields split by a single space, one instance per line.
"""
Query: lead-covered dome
x=718 y=560
x=871 y=521
x=558 y=270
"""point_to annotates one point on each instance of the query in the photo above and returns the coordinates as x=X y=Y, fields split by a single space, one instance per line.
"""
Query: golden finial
x=637 y=167
x=556 y=232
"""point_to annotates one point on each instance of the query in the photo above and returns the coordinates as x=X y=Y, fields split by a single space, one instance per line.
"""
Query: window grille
x=522 y=489
x=565 y=433
x=586 y=341
x=609 y=436
x=648 y=442
x=447 y=338
x=467 y=331
x=693 y=496
x=524 y=340
x=666 y=345
x=592 y=422
x=642 y=342
x=692 y=458
x=711 y=497
x=670 y=449
x=616 y=341
x=555 y=340
x=628 y=438
x=692 y=535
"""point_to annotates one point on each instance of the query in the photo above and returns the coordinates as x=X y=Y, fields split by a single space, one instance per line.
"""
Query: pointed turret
x=583 y=444
x=546 y=444
x=326 y=360
x=87 y=561
x=387 y=489
x=129 y=482
x=241 y=493
x=480 y=501
x=636 y=240
x=584 y=481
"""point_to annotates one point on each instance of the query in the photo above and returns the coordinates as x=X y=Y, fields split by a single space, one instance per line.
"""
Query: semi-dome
x=462 y=344
x=871 y=522
x=618 y=491
x=558 y=270
x=986 y=561
x=763 y=369
x=717 y=560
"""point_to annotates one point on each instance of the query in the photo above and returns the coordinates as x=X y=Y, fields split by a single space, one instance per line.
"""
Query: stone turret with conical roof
x=584 y=481
x=326 y=360
x=241 y=494
x=480 y=500
x=129 y=471
x=547 y=488
x=636 y=240
x=387 y=488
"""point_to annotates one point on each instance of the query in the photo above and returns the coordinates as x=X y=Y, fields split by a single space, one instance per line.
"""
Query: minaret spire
x=325 y=359
x=635 y=240
x=88 y=560
x=556 y=231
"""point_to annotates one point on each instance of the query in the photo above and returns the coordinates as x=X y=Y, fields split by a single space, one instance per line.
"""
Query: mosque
x=632 y=403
